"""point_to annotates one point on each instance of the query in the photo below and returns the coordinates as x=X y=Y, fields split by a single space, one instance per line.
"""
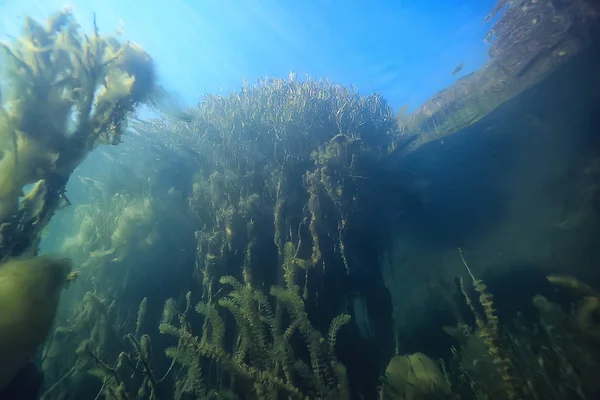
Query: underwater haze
x=300 y=200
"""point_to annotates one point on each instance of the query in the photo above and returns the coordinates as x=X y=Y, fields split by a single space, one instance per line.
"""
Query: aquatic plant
x=262 y=362
x=95 y=223
x=124 y=367
x=63 y=93
x=302 y=149
x=29 y=292
x=96 y=330
x=489 y=332
x=277 y=121
x=551 y=358
x=289 y=161
x=413 y=377
x=274 y=195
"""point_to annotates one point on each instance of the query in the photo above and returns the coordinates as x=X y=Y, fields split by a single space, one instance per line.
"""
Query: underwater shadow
x=458 y=179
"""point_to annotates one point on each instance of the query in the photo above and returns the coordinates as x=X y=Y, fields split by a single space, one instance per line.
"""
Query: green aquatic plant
x=120 y=242
x=291 y=144
x=328 y=376
x=29 y=293
x=119 y=235
x=111 y=231
x=92 y=325
x=99 y=346
x=413 y=377
x=63 y=93
x=277 y=121
x=261 y=363
x=488 y=330
x=95 y=223
x=550 y=357
x=282 y=161
x=288 y=163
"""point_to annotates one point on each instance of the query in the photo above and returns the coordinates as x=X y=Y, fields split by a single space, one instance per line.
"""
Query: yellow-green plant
x=62 y=94
x=488 y=329
x=283 y=164
x=277 y=121
x=413 y=377
x=552 y=357
x=279 y=161
x=91 y=341
x=261 y=362
x=29 y=294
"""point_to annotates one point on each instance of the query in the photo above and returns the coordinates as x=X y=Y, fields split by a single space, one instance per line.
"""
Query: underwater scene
x=317 y=200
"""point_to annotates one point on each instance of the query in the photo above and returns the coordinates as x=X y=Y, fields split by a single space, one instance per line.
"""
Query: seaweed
x=64 y=94
x=261 y=362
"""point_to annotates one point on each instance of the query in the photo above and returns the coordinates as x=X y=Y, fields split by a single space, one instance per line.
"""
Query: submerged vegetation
x=251 y=270
x=62 y=95
x=551 y=358
x=280 y=169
